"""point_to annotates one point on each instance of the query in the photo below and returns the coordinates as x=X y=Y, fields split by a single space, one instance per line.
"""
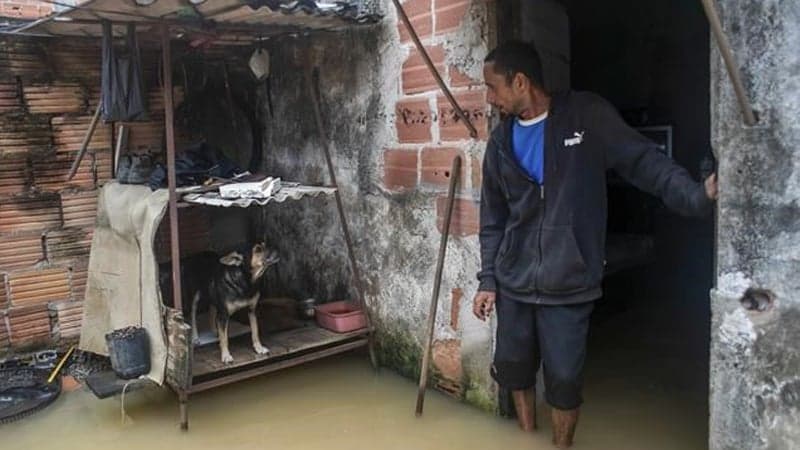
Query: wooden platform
x=287 y=348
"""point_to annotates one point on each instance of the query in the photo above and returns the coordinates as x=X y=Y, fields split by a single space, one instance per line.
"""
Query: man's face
x=504 y=95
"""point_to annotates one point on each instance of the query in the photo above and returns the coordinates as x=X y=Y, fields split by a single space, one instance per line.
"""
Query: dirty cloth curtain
x=121 y=81
x=122 y=286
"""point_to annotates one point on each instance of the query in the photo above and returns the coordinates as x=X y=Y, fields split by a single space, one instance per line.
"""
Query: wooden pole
x=85 y=145
x=730 y=61
x=313 y=85
x=473 y=133
x=169 y=126
x=455 y=172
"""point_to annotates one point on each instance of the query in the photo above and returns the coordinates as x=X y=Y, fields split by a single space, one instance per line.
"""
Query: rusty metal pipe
x=724 y=46
x=473 y=133
x=455 y=172
x=312 y=80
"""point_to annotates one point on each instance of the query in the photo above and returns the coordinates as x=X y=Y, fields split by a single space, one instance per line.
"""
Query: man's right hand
x=483 y=304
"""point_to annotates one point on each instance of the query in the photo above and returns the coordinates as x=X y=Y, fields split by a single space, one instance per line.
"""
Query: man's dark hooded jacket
x=546 y=244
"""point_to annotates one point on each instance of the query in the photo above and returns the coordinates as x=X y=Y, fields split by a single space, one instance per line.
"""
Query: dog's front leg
x=222 y=332
x=257 y=347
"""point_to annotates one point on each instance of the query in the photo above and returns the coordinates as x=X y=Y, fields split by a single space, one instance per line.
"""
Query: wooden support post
x=169 y=125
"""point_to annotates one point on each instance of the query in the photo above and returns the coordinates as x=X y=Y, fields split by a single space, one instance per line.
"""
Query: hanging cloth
x=122 y=86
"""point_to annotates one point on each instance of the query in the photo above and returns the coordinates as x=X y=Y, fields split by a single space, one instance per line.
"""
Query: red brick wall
x=48 y=92
x=428 y=131
x=25 y=9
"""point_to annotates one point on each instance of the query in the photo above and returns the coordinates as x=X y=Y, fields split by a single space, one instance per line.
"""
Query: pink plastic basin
x=341 y=317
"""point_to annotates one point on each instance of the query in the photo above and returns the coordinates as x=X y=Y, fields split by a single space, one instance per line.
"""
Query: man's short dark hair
x=514 y=57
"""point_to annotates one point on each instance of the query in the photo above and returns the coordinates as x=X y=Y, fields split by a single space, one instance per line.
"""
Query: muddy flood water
x=341 y=403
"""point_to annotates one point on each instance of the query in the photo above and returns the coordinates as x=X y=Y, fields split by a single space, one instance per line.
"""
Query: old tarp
x=122 y=286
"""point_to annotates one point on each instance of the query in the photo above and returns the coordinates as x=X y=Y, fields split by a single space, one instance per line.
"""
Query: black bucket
x=129 y=349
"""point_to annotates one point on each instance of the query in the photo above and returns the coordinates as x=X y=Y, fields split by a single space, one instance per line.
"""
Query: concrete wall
x=755 y=381
x=393 y=136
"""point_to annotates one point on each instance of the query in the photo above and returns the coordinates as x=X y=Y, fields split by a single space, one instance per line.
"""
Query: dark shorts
x=554 y=336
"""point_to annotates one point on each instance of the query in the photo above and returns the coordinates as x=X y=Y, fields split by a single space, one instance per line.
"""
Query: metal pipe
x=455 y=172
x=169 y=126
x=312 y=78
x=473 y=133
x=730 y=62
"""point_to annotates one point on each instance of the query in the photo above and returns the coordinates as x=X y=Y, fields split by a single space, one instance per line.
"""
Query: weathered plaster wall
x=755 y=362
x=393 y=139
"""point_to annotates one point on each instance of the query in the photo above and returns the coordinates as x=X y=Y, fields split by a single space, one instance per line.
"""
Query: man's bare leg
x=564 y=422
x=525 y=405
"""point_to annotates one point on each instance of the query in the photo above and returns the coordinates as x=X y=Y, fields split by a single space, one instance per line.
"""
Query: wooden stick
x=730 y=61
x=85 y=145
x=312 y=81
x=473 y=133
x=122 y=139
x=60 y=365
x=455 y=172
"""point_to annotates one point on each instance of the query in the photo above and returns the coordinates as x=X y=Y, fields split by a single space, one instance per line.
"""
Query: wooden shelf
x=288 y=348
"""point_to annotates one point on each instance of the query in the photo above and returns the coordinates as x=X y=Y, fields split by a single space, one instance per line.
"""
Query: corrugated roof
x=227 y=20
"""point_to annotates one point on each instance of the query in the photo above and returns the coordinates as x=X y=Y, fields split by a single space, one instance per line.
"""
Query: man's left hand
x=711 y=187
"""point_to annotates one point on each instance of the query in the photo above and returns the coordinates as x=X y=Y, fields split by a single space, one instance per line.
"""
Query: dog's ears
x=232 y=259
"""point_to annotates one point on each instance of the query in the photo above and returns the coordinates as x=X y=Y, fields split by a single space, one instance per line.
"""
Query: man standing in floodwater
x=543 y=224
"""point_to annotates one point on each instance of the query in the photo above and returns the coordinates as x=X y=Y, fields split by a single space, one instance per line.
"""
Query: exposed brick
x=3 y=296
x=459 y=79
x=68 y=134
x=475 y=108
x=449 y=14
x=4 y=341
x=20 y=251
x=437 y=163
x=79 y=208
x=420 y=13
x=413 y=122
x=155 y=101
x=22 y=9
x=51 y=174
x=103 y=166
x=447 y=359
x=20 y=138
x=54 y=98
x=68 y=244
x=67 y=317
x=145 y=136
x=38 y=287
x=15 y=176
x=78 y=59
x=416 y=75
x=9 y=98
x=78 y=276
x=39 y=213
x=400 y=169
x=28 y=325
x=455 y=306
x=466 y=216
x=22 y=58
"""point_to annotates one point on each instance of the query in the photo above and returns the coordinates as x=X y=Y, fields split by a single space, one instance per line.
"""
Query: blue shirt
x=528 y=142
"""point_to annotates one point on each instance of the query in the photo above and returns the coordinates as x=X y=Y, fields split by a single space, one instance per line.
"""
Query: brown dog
x=225 y=285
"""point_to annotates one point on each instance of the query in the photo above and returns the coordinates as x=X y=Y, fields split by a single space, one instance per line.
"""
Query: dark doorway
x=650 y=332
